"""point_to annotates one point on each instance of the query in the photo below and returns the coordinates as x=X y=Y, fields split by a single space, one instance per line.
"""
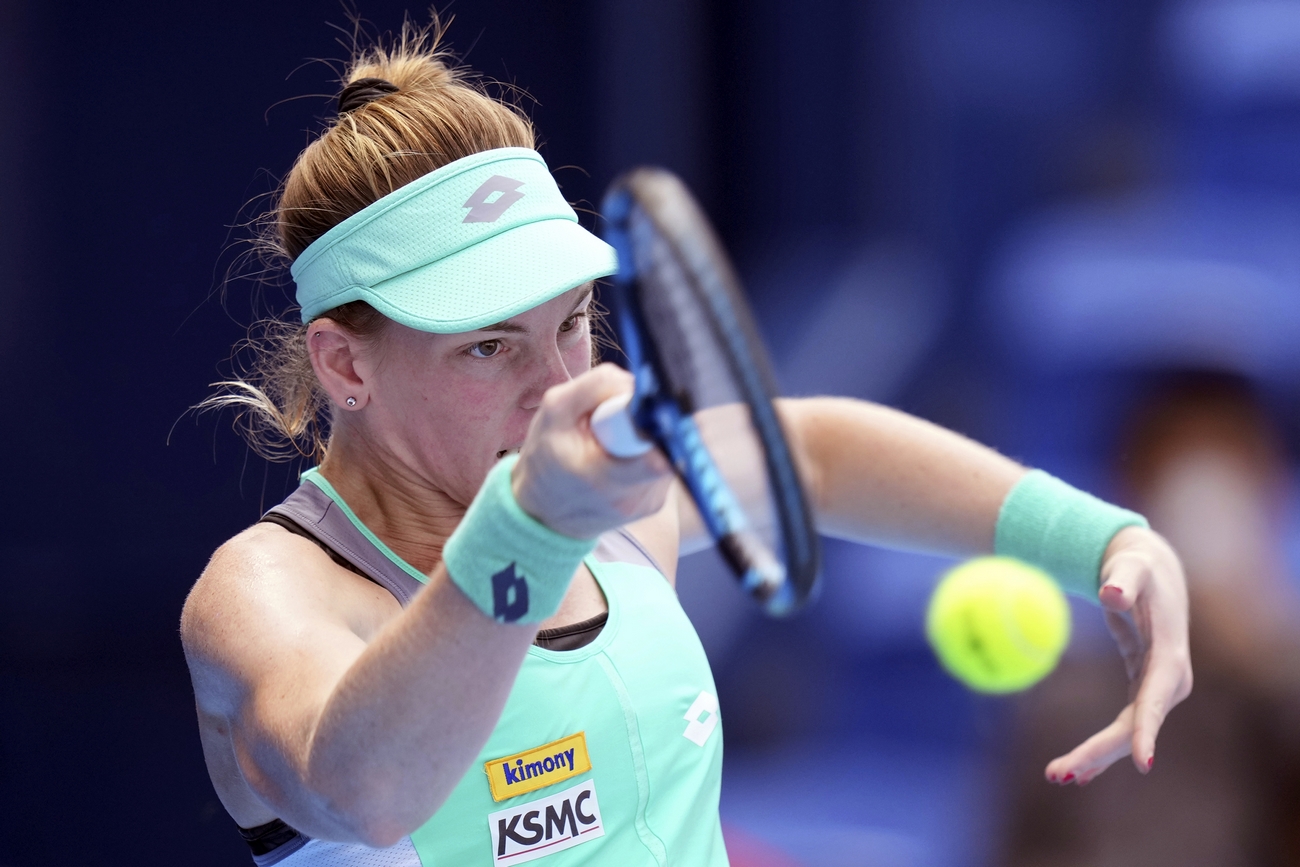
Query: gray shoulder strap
x=312 y=509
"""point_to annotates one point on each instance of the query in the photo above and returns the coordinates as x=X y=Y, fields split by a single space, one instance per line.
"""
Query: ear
x=340 y=361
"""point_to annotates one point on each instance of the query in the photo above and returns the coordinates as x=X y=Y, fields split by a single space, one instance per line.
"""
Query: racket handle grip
x=614 y=429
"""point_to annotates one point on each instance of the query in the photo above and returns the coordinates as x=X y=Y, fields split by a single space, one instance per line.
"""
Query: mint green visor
x=470 y=244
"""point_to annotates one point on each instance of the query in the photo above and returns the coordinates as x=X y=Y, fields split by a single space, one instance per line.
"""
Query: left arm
x=875 y=475
x=880 y=476
x=883 y=477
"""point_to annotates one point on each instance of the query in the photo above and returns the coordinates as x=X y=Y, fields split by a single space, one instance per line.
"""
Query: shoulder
x=257 y=566
x=266 y=593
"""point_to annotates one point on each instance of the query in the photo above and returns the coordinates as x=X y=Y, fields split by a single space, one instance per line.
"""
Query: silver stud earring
x=351 y=401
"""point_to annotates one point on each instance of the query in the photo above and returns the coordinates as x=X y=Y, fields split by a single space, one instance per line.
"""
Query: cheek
x=460 y=410
x=427 y=399
x=476 y=404
x=577 y=356
x=455 y=427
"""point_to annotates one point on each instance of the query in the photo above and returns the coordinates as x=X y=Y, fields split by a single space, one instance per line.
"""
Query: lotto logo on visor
x=539 y=828
x=538 y=768
x=492 y=199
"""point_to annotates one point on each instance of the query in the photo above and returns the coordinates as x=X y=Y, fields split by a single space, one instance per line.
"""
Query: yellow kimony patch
x=538 y=768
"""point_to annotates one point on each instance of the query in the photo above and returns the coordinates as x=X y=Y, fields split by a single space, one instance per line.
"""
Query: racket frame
x=781 y=588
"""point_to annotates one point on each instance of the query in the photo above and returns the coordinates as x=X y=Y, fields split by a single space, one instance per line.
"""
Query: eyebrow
x=509 y=327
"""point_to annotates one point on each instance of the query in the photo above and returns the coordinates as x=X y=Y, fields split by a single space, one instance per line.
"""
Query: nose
x=546 y=368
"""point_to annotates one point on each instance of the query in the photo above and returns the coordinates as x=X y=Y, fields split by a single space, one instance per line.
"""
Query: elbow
x=374 y=821
x=379 y=832
x=354 y=814
x=337 y=824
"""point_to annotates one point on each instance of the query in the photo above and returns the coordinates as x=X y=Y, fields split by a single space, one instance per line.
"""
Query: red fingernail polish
x=1151 y=762
x=1067 y=778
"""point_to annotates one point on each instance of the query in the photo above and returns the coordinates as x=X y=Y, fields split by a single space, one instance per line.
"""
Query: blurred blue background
x=1014 y=218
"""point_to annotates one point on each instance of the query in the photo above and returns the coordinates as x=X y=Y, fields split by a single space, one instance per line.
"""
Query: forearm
x=402 y=725
x=884 y=477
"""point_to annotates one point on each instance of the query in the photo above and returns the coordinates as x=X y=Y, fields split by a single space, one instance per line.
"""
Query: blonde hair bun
x=406 y=110
x=364 y=91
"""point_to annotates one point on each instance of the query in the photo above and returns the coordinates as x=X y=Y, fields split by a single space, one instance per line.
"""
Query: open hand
x=1144 y=596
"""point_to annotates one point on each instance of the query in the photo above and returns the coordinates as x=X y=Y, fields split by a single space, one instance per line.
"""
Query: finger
x=613 y=426
x=1094 y=755
x=1168 y=676
x=570 y=401
x=1131 y=646
x=1124 y=578
x=1161 y=689
x=1125 y=633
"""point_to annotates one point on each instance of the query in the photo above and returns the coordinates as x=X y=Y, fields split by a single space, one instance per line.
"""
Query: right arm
x=349 y=718
x=343 y=738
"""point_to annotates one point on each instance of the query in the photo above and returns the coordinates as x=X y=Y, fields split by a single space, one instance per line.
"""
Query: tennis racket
x=703 y=388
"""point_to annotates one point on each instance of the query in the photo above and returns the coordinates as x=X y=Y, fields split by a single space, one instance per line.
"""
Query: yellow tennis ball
x=998 y=625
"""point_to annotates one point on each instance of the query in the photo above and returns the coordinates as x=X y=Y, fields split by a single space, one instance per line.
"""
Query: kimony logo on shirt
x=539 y=828
x=538 y=768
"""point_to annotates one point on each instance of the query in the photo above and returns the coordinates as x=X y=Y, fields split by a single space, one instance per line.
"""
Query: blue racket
x=704 y=388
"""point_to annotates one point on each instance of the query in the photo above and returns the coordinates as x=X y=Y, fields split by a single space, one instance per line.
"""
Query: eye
x=486 y=349
x=572 y=322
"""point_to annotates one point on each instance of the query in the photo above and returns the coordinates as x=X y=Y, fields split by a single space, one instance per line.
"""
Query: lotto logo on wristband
x=539 y=828
x=509 y=595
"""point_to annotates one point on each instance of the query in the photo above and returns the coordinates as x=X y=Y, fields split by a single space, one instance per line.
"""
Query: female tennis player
x=457 y=642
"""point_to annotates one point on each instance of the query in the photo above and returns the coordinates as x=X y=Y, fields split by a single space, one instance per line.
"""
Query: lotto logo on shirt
x=539 y=828
x=510 y=776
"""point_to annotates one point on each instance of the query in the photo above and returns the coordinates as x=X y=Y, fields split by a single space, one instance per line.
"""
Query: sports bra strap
x=310 y=508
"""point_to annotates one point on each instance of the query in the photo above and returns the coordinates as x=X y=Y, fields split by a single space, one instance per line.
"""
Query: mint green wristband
x=1060 y=529
x=515 y=569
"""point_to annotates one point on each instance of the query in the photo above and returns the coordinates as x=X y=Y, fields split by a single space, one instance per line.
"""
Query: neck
x=412 y=516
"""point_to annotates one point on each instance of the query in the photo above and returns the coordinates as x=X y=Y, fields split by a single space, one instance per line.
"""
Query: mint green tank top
x=638 y=704
x=657 y=774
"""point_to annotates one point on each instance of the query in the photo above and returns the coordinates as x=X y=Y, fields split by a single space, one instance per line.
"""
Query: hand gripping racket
x=704 y=388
